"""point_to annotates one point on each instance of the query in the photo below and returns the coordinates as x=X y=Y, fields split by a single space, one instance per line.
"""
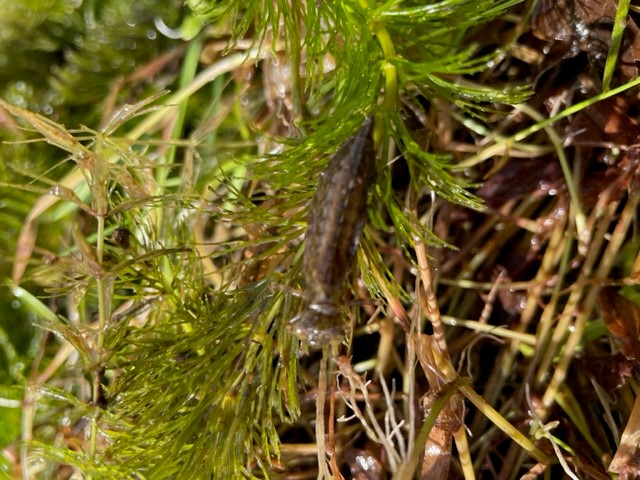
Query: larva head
x=321 y=324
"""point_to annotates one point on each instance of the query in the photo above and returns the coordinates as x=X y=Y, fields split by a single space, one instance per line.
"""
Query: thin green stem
x=576 y=210
x=408 y=467
x=499 y=421
x=391 y=86
x=225 y=65
x=103 y=314
x=616 y=40
x=187 y=75
x=498 y=147
x=388 y=69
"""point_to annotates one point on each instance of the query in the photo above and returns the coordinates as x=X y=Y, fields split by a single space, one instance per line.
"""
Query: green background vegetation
x=158 y=166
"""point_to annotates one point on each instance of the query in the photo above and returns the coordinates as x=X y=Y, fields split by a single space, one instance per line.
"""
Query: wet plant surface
x=186 y=183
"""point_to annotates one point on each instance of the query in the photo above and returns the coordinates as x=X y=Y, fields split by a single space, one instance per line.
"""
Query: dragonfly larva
x=336 y=219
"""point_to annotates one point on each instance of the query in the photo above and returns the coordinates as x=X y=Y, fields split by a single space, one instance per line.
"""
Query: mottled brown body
x=337 y=217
